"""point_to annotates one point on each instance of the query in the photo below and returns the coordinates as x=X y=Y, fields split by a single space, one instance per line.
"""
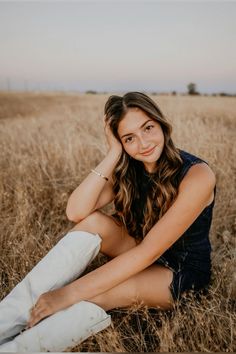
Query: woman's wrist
x=99 y=174
x=115 y=153
x=71 y=294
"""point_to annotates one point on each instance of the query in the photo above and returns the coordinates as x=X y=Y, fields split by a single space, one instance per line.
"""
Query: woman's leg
x=65 y=328
x=62 y=330
x=63 y=264
x=115 y=239
x=150 y=286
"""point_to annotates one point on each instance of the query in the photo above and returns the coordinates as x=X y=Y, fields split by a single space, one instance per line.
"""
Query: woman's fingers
x=37 y=314
x=104 y=121
x=36 y=310
x=39 y=311
x=49 y=303
x=37 y=317
x=113 y=142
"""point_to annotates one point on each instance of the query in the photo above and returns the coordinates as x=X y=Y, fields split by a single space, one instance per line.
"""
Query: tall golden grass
x=48 y=144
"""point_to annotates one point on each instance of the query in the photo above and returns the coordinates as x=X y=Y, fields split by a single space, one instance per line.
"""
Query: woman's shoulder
x=189 y=160
x=199 y=170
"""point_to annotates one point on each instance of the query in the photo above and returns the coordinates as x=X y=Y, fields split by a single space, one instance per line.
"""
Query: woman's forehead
x=132 y=121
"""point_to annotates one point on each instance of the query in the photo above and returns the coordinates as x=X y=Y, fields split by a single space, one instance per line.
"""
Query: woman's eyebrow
x=139 y=128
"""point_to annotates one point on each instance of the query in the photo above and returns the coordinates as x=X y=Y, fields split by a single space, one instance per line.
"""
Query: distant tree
x=173 y=93
x=91 y=92
x=192 y=89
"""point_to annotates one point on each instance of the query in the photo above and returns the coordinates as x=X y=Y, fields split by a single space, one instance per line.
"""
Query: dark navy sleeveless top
x=193 y=248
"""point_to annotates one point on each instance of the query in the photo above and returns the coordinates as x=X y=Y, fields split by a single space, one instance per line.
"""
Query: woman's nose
x=143 y=144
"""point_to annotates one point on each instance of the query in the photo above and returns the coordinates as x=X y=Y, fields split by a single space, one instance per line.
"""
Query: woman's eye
x=128 y=140
x=149 y=127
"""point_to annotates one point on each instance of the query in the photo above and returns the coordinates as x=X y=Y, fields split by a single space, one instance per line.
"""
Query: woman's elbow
x=71 y=216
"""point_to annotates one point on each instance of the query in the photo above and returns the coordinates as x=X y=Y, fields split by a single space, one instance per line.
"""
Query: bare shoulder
x=201 y=172
x=199 y=175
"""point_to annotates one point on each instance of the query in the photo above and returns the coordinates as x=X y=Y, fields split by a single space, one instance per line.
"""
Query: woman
x=158 y=235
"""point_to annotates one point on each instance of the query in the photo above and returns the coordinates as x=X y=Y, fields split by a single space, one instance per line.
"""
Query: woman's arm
x=85 y=198
x=195 y=191
x=94 y=191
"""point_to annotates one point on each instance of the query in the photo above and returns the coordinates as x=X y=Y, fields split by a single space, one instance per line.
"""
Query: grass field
x=48 y=144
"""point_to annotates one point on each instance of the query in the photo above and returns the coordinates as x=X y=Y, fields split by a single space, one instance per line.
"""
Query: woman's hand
x=48 y=304
x=113 y=143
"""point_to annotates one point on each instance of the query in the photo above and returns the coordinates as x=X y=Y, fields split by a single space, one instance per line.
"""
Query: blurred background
x=105 y=46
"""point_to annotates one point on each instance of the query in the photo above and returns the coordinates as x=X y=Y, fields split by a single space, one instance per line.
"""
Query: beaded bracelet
x=99 y=174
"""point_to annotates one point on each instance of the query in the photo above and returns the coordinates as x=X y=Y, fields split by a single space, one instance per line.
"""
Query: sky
x=111 y=46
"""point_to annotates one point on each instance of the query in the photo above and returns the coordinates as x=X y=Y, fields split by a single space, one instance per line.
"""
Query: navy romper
x=190 y=256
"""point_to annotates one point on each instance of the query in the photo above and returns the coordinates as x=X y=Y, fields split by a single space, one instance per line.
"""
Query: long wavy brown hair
x=136 y=212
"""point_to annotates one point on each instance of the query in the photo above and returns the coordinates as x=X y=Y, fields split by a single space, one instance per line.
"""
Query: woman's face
x=142 y=138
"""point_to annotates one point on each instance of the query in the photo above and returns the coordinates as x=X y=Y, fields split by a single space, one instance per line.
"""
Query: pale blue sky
x=118 y=45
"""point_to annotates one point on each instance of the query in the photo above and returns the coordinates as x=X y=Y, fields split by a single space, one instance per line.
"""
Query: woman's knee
x=115 y=239
x=91 y=222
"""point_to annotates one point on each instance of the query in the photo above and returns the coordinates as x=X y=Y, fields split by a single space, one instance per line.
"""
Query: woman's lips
x=148 y=152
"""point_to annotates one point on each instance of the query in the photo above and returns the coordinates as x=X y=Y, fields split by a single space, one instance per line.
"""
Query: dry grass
x=48 y=145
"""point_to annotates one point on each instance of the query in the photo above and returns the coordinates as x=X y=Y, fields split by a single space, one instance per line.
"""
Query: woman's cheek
x=128 y=150
x=123 y=145
x=132 y=151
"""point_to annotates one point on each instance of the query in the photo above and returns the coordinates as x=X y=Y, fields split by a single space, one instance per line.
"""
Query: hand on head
x=113 y=143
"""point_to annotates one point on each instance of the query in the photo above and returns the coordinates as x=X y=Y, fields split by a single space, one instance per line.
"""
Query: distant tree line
x=191 y=90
